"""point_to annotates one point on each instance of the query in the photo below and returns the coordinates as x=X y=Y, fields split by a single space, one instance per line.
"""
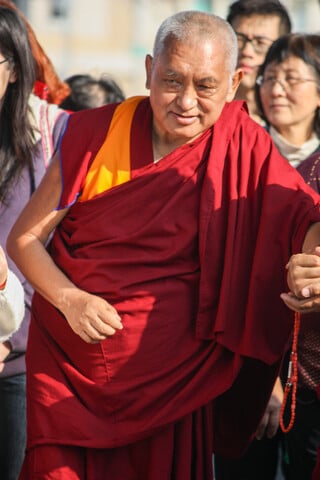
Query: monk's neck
x=163 y=146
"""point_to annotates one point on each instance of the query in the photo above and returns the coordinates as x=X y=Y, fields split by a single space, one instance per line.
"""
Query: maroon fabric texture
x=179 y=452
x=139 y=250
x=191 y=251
x=316 y=471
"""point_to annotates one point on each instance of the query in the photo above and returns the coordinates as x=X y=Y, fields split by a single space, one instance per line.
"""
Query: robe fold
x=191 y=251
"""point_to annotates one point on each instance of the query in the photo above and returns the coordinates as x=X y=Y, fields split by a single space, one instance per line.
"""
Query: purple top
x=20 y=194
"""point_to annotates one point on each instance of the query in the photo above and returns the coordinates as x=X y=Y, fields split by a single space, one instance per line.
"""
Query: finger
x=111 y=320
x=305 y=260
x=85 y=337
x=103 y=328
x=304 y=278
x=310 y=291
x=91 y=336
x=301 y=305
x=308 y=273
x=273 y=424
x=262 y=427
x=99 y=333
x=110 y=316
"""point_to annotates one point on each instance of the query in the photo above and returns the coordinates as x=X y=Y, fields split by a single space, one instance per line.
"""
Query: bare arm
x=91 y=317
x=270 y=421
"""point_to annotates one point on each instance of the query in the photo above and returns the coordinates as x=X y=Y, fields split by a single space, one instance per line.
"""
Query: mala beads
x=292 y=378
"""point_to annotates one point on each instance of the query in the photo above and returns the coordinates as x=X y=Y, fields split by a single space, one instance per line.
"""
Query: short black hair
x=89 y=92
x=246 y=8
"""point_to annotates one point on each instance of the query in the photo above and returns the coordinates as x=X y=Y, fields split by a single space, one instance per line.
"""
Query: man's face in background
x=255 y=35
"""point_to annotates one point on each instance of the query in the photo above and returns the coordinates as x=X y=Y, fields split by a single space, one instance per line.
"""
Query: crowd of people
x=160 y=255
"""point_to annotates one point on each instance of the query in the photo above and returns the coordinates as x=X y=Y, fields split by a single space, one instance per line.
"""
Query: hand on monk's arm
x=91 y=317
x=303 y=275
x=270 y=421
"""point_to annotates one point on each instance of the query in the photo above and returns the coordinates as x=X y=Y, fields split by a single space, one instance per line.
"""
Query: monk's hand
x=90 y=316
x=303 y=276
x=269 y=423
x=296 y=304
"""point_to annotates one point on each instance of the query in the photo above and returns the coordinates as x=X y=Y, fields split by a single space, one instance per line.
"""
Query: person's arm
x=11 y=307
x=90 y=316
x=303 y=275
x=269 y=423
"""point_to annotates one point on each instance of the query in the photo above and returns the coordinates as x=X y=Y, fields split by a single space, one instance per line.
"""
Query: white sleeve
x=11 y=307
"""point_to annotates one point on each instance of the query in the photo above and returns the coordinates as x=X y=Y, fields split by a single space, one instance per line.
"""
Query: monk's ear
x=236 y=79
x=148 y=65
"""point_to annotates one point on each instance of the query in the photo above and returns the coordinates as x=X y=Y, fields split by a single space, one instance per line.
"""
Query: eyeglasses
x=3 y=61
x=287 y=83
x=259 y=44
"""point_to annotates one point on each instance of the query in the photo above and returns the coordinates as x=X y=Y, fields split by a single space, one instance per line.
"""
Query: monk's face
x=189 y=85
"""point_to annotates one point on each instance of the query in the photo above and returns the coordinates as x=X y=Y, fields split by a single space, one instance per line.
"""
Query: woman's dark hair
x=16 y=133
x=301 y=45
x=53 y=89
x=246 y=8
x=89 y=92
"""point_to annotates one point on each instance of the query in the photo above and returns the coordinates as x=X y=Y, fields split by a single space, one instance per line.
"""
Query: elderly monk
x=157 y=327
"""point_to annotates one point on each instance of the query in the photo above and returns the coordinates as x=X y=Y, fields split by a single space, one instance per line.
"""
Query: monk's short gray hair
x=184 y=26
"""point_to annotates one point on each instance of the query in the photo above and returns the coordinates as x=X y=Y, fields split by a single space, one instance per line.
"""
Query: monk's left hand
x=305 y=305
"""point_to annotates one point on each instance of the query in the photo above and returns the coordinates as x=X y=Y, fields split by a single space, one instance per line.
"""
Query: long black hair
x=16 y=131
x=91 y=92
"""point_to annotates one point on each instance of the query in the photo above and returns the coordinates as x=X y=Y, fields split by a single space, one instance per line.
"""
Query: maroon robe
x=191 y=252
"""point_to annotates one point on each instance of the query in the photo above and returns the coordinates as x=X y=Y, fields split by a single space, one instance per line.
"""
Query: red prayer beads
x=292 y=378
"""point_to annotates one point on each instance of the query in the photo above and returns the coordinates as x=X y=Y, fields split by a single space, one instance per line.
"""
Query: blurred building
x=113 y=36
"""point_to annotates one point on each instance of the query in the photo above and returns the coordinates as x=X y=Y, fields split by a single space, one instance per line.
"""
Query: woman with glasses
x=288 y=94
x=30 y=130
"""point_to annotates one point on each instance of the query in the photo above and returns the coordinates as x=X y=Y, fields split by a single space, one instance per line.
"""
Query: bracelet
x=3 y=285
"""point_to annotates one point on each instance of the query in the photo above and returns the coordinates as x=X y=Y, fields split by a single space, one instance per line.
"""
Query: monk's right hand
x=303 y=274
x=91 y=317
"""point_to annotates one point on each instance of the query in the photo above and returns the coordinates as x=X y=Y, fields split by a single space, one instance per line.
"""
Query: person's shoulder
x=93 y=116
x=315 y=157
x=44 y=112
x=312 y=162
x=95 y=120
